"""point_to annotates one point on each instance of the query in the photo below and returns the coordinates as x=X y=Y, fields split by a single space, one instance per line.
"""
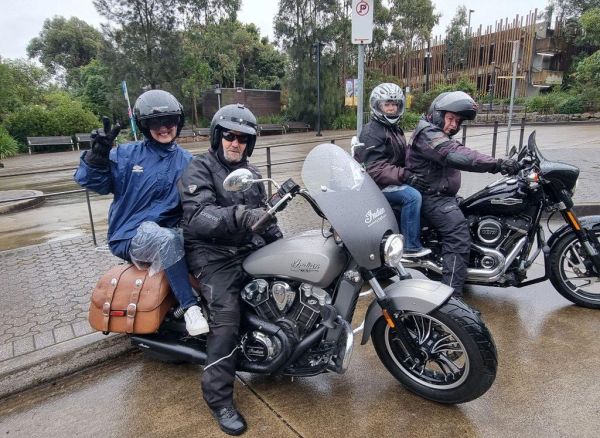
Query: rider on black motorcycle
x=439 y=158
x=217 y=233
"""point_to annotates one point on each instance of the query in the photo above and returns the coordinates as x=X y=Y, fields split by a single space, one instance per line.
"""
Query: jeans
x=406 y=202
x=177 y=274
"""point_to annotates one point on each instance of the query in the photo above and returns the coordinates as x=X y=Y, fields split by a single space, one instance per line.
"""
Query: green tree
x=457 y=43
x=573 y=8
x=22 y=83
x=65 y=45
x=412 y=23
x=590 y=22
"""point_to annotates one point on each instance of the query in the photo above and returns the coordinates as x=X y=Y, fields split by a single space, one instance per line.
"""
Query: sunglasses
x=230 y=136
x=158 y=122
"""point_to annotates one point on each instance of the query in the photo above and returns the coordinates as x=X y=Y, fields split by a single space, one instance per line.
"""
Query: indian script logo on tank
x=372 y=217
x=299 y=265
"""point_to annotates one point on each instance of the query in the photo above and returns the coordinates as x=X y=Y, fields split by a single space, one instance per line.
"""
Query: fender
x=413 y=295
x=586 y=222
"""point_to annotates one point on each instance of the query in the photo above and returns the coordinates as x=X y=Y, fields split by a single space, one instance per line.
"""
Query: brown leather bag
x=128 y=300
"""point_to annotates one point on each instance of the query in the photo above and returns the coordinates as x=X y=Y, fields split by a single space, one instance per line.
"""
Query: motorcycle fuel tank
x=507 y=196
x=307 y=257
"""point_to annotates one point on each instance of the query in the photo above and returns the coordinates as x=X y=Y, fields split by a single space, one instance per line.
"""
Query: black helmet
x=457 y=102
x=385 y=93
x=234 y=117
x=153 y=104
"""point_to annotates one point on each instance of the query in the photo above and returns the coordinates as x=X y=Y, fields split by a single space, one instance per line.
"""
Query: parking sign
x=362 y=21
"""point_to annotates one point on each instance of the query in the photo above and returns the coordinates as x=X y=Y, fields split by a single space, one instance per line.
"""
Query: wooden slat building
x=542 y=59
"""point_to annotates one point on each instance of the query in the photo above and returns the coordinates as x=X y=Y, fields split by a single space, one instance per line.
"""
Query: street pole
x=469 y=25
x=515 y=58
x=427 y=65
x=359 y=90
x=317 y=46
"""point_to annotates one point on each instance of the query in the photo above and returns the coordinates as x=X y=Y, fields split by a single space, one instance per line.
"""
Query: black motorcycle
x=505 y=220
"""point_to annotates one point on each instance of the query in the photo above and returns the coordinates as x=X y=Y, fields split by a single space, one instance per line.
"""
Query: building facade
x=542 y=59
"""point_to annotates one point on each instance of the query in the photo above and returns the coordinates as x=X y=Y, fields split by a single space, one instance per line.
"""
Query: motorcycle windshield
x=350 y=200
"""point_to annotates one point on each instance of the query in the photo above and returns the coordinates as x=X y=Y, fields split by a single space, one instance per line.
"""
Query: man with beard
x=218 y=236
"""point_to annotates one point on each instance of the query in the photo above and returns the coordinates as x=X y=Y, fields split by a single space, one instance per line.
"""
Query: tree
x=456 y=42
x=412 y=23
x=573 y=8
x=590 y=22
x=65 y=45
x=22 y=83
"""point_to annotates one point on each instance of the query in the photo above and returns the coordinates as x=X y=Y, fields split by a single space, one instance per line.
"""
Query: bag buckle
x=106 y=309
x=131 y=309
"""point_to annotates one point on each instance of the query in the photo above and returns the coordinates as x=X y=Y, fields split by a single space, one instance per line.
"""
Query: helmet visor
x=156 y=123
x=390 y=108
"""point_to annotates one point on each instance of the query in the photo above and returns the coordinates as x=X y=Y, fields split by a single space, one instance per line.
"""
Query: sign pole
x=515 y=59
x=362 y=34
x=360 y=88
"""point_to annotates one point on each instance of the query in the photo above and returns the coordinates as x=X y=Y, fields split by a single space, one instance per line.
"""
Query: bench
x=203 y=132
x=271 y=127
x=297 y=126
x=83 y=137
x=187 y=134
x=49 y=141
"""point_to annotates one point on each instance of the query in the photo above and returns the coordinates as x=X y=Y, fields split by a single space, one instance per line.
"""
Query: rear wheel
x=572 y=272
x=457 y=357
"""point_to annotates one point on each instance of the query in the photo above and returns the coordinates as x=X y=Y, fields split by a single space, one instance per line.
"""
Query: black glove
x=415 y=180
x=508 y=166
x=102 y=141
x=247 y=217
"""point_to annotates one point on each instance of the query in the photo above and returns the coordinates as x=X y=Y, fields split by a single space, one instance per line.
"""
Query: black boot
x=230 y=420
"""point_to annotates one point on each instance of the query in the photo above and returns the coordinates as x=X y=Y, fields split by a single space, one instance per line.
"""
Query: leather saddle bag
x=128 y=300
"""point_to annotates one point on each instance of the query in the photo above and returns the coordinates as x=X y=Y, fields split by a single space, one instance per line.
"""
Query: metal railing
x=269 y=164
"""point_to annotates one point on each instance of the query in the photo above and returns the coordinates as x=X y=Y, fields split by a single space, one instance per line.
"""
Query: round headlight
x=393 y=249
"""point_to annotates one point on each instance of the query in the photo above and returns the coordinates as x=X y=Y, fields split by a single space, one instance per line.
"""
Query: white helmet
x=383 y=93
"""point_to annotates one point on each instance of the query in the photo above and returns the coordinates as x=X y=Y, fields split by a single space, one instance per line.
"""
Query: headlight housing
x=393 y=248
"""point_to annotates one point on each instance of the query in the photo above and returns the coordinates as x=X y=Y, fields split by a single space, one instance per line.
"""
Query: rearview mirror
x=239 y=180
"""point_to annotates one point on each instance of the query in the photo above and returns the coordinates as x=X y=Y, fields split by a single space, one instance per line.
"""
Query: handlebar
x=262 y=222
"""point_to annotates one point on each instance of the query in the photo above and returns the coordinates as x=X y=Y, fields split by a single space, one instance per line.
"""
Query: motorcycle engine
x=495 y=231
x=295 y=306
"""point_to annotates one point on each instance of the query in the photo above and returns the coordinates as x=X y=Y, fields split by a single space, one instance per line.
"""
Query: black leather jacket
x=210 y=230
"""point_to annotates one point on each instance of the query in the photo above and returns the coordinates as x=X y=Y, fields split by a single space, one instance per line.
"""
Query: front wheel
x=458 y=358
x=572 y=272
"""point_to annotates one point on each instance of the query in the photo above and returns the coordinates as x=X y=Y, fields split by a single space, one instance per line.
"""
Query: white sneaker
x=195 y=322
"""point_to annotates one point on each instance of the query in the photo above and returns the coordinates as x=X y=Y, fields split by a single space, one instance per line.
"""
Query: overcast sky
x=22 y=20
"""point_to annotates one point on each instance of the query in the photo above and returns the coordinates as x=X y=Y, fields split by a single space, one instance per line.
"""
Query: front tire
x=572 y=273
x=458 y=357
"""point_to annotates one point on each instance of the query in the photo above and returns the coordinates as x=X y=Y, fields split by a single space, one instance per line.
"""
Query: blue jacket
x=143 y=178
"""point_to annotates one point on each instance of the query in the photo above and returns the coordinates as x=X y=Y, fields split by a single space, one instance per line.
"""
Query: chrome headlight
x=393 y=248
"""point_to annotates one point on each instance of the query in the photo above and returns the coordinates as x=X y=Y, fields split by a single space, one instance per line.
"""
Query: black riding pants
x=220 y=286
x=443 y=213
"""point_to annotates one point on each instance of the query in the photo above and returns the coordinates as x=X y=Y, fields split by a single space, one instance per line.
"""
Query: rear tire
x=459 y=358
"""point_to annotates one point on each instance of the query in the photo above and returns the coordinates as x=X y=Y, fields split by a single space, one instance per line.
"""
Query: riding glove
x=247 y=217
x=415 y=180
x=507 y=166
x=102 y=141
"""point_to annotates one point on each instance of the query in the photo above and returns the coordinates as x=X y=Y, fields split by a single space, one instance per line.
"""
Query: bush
x=8 y=145
x=345 y=120
x=571 y=105
x=61 y=116
x=410 y=120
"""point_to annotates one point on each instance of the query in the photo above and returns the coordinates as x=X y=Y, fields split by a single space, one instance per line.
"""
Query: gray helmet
x=457 y=102
x=234 y=117
x=156 y=104
x=384 y=93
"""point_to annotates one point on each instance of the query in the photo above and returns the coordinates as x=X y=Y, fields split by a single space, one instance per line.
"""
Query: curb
x=42 y=366
x=18 y=205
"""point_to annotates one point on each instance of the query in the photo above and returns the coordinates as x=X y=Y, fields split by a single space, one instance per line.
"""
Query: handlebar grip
x=264 y=220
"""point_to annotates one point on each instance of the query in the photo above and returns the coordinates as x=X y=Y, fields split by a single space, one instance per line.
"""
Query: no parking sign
x=362 y=21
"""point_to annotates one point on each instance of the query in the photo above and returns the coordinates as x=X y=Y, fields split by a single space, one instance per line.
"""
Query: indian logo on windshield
x=372 y=217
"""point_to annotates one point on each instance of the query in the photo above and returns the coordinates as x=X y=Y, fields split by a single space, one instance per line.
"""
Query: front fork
x=586 y=236
x=391 y=316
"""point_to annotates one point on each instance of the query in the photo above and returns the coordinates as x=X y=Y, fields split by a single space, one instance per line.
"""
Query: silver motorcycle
x=302 y=293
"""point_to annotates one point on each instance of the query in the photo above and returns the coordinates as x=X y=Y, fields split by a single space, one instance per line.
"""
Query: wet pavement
x=548 y=348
